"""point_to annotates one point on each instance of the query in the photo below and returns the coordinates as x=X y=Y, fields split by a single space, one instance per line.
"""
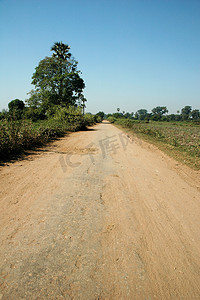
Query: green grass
x=179 y=139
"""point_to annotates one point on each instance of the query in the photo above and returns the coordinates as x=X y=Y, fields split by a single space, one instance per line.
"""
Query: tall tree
x=57 y=80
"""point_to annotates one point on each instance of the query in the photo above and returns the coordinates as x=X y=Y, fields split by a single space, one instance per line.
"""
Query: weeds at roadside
x=21 y=135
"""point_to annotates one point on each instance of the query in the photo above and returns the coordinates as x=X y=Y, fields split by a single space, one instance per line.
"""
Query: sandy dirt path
x=99 y=215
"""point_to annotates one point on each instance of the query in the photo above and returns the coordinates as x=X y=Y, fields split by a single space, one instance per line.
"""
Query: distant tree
x=171 y=117
x=108 y=115
x=178 y=117
x=148 y=116
x=141 y=114
x=195 y=114
x=117 y=115
x=127 y=115
x=16 y=108
x=158 y=112
x=16 y=104
x=101 y=114
x=118 y=109
x=185 y=112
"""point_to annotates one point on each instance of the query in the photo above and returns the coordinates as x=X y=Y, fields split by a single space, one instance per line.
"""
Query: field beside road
x=181 y=140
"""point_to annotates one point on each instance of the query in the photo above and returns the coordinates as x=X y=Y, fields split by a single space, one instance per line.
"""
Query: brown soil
x=98 y=215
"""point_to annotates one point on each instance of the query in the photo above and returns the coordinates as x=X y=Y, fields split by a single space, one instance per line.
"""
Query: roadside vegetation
x=55 y=106
x=19 y=135
x=180 y=139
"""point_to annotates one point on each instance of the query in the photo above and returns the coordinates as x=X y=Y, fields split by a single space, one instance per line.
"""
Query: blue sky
x=132 y=53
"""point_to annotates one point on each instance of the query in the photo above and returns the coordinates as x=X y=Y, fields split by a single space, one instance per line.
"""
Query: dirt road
x=99 y=215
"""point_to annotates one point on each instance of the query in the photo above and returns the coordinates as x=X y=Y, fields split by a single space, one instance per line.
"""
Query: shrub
x=89 y=120
x=111 y=119
x=17 y=136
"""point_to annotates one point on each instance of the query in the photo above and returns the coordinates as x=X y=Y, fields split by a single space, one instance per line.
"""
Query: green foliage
x=16 y=108
x=89 y=119
x=57 y=80
x=17 y=136
x=111 y=119
x=98 y=119
x=61 y=50
x=158 y=112
x=35 y=114
x=35 y=99
x=128 y=115
x=185 y=112
x=117 y=115
x=71 y=116
x=81 y=103
x=15 y=105
x=195 y=114
x=100 y=114
x=55 y=106
x=141 y=114
x=4 y=114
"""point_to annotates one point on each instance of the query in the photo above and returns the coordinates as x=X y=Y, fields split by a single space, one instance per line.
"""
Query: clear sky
x=132 y=53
